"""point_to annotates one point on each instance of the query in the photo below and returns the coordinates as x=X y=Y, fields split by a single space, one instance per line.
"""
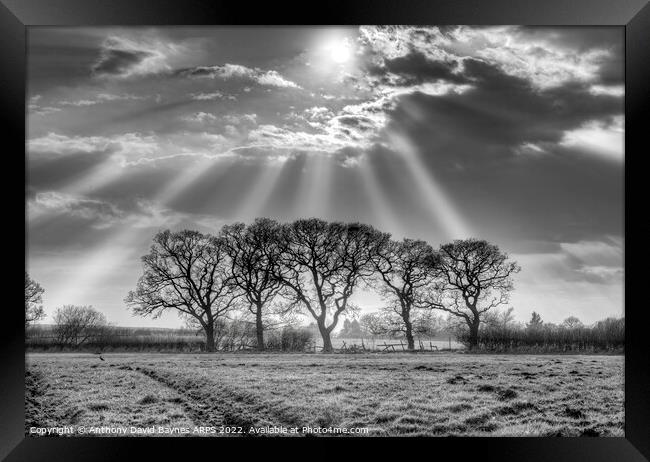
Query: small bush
x=149 y=399
x=289 y=339
x=98 y=407
x=507 y=394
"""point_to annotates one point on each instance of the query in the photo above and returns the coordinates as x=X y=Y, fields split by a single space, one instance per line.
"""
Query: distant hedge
x=604 y=336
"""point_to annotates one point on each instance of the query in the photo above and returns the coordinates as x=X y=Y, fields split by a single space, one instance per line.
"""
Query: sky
x=510 y=134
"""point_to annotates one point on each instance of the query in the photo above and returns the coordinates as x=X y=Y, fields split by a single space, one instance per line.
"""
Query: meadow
x=392 y=394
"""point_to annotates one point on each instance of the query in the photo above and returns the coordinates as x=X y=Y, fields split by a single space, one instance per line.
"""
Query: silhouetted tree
x=535 y=321
x=320 y=265
x=405 y=271
x=572 y=322
x=188 y=272
x=33 y=299
x=474 y=276
x=75 y=325
x=253 y=252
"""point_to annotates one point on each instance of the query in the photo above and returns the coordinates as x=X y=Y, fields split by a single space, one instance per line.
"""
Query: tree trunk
x=325 y=334
x=473 y=333
x=259 y=328
x=209 y=337
x=409 y=334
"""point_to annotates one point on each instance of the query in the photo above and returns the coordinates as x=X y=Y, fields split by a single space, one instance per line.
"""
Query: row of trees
x=313 y=267
x=84 y=327
x=501 y=333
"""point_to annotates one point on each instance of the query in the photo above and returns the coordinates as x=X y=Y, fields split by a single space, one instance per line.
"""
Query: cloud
x=122 y=57
x=321 y=129
x=100 y=212
x=35 y=109
x=497 y=115
x=102 y=98
x=521 y=52
x=601 y=137
x=236 y=71
x=595 y=261
x=611 y=90
x=584 y=261
x=318 y=113
x=62 y=144
x=595 y=253
x=200 y=117
x=206 y=96
x=240 y=119
x=125 y=146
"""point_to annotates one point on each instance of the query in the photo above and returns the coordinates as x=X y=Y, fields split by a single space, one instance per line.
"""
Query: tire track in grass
x=220 y=406
x=39 y=411
x=190 y=401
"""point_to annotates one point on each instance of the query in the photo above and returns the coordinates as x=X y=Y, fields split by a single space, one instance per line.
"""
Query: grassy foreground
x=394 y=394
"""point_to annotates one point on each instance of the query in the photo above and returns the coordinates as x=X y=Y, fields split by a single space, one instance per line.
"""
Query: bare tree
x=535 y=321
x=33 y=299
x=320 y=265
x=405 y=272
x=75 y=325
x=499 y=319
x=474 y=276
x=253 y=252
x=372 y=324
x=188 y=272
x=572 y=322
x=389 y=321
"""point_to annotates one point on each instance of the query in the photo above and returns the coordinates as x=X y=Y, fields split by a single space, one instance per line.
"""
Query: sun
x=340 y=51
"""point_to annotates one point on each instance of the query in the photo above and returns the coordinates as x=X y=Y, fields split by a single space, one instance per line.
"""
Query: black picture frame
x=633 y=15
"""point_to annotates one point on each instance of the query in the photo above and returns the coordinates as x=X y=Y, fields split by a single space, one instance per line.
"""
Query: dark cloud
x=489 y=121
x=585 y=39
x=416 y=68
x=358 y=122
x=580 y=39
x=119 y=62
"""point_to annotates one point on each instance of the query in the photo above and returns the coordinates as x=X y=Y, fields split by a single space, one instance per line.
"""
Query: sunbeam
x=386 y=217
x=97 y=265
x=122 y=245
x=313 y=194
x=184 y=180
x=100 y=176
x=441 y=209
x=253 y=203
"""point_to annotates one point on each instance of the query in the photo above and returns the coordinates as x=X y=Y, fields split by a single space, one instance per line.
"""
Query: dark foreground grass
x=388 y=394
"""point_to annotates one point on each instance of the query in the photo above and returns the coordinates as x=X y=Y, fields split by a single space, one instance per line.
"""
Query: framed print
x=374 y=223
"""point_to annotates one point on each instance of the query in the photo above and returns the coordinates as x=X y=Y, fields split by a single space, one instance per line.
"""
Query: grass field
x=427 y=394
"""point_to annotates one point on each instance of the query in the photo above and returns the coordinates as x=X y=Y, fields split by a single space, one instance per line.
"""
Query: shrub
x=289 y=339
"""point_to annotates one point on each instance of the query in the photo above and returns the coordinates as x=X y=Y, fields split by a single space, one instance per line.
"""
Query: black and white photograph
x=328 y=231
